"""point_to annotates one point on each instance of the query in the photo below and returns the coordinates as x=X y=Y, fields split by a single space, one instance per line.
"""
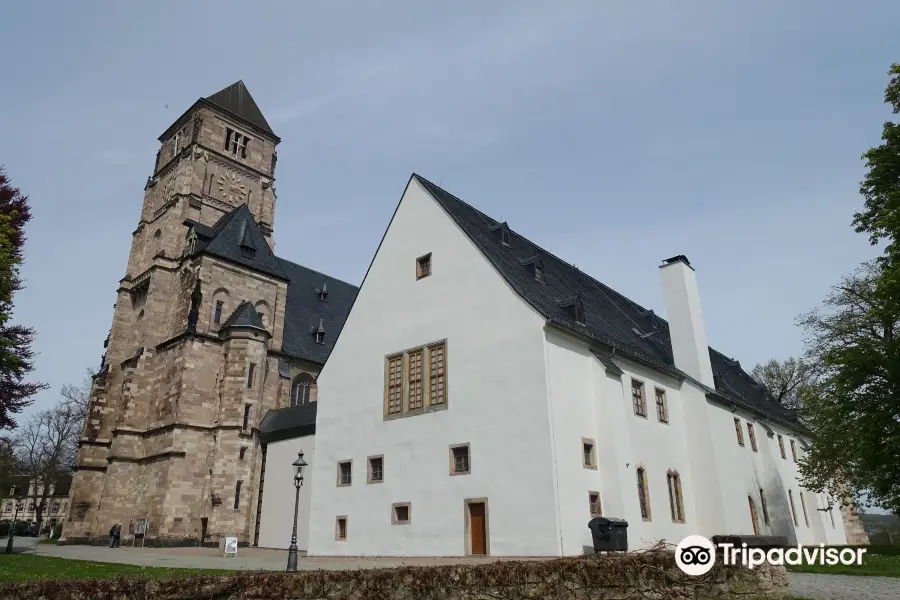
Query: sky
x=614 y=134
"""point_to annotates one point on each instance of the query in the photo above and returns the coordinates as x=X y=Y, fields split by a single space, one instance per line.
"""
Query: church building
x=487 y=398
x=211 y=332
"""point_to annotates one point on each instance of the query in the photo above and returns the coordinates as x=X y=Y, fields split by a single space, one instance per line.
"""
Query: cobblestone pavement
x=844 y=587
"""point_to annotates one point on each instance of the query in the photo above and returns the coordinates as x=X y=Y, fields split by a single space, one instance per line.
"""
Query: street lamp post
x=12 y=529
x=298 y=483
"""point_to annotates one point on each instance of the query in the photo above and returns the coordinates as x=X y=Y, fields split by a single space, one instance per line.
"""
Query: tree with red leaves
x=15 y=340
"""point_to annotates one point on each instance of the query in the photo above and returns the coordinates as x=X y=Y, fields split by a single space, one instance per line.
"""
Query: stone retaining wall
x=635 y=575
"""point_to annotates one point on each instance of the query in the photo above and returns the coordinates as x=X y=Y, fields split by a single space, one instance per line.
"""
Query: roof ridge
x=540 y=248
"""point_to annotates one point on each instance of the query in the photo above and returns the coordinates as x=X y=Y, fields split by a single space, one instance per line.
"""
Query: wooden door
x=478 y=528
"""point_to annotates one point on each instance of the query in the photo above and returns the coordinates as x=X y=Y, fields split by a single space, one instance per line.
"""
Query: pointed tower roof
x=236 y=237
x=236 y=99
x=244 y=316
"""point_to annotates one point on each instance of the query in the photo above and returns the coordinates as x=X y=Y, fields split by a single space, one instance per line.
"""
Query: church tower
x=170 y=439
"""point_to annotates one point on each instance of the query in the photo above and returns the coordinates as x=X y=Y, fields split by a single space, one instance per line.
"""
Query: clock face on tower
x=232 y=188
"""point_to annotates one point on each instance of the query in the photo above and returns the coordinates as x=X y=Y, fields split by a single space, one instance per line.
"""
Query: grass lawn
x=884 y=562
x=26 y=567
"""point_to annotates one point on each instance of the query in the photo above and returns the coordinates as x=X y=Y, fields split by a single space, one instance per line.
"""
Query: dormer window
x=504 y=234
x=236 y=143
x=320 y=332
x=538 y=272
x=323 y=292
x=575 y=310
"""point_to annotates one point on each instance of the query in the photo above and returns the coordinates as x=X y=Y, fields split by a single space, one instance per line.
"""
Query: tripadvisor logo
x=695 y=555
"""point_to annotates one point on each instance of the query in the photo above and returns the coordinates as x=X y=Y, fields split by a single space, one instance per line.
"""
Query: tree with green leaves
x=853 y=410
x=784 y=380
x=16 y=355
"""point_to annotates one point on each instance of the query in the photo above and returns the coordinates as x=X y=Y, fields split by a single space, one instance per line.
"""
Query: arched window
x=676 y=503
x=643 y=494
x=301 y=390
x=753 y=516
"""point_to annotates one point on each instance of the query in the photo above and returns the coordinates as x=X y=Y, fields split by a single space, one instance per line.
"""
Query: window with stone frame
x=237 y=494
x=414 y=383
x=423 y=266
x=460 y=460
x=251 y=371
x=793 y=509
x=242 y=452
x=400 y=513
x=676 y=501
x=217 y=315
x=236 y=143
x=345 y=473
x=301 y=390
x=781 y=447
x=751 y=433
x=376 y=469
x=643 y=494
x=637 y=398
x=340 y=529
x=794 y=450
x=765 y=506
x=803 y=506
x=588 y=453
x=595 y=506
x=662 y=406
x=739 y=431
x=406 y=373
x=246 y=424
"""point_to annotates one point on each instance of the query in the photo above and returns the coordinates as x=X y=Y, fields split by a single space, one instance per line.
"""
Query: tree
x=46 y=447
x=853 y=409
x=784 y=380
x=15 y=340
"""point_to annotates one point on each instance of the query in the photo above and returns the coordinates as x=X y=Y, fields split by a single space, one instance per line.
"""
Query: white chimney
x=689 y=346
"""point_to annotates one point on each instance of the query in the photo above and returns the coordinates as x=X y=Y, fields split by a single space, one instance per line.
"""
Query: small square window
x=423 y=266
x=340 y=529
x=345 y=472
x=459 y=460
x=376 y=469
x=400 y=513
x=594 y=501
x=588 y=454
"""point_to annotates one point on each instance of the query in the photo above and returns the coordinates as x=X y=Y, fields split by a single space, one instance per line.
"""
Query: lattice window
x=662 y=406
x=414 y=380
x=739 y=431
x=676 y=502
x=395 y=385
x=643 y=494
x=637 y=398
x=437 y=375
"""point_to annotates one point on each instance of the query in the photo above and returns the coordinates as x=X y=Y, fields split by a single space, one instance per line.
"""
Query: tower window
x=246 y=417
x=250 y=372
x=237 y=494
x=217 y=317
x=236 y=143
x=243 y=452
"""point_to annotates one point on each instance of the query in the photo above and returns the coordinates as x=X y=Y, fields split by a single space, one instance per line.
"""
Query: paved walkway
x=803 y=585
x=844 y=587
x=247 y=559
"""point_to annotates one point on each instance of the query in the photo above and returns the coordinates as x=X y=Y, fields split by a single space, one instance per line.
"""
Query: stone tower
x=188 y=372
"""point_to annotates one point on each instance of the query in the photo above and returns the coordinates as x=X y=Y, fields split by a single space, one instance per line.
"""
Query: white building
x=486 y=397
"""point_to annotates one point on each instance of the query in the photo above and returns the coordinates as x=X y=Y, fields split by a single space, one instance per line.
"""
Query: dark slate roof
x=236 y=99
x=290 y=422
x=237 y=238
x=305 y=311
x=244 y=315
x=609 y=317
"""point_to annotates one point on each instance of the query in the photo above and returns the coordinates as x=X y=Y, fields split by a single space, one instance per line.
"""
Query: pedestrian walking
x=112 y=536
x=118 y=535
